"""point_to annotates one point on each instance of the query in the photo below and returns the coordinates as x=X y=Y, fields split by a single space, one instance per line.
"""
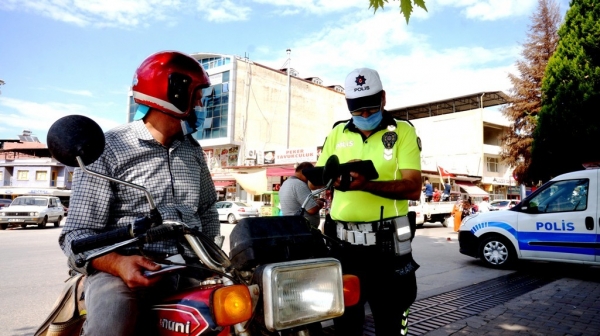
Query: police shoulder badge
x=389 y=139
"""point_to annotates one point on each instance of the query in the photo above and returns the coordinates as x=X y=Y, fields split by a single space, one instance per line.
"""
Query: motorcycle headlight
x=302 y=292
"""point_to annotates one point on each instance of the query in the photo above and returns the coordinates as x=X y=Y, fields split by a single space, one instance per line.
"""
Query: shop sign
x=293 y=155
x=497 y=180
x=514 y=190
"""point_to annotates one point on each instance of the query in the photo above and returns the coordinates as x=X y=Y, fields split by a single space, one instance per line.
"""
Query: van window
x=561 y=196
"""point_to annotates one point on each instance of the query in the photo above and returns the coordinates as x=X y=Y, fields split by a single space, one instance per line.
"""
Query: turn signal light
x=351 y=290
x=231 y=305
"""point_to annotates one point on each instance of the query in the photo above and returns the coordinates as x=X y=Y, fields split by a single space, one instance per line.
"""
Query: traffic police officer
x=370 y=215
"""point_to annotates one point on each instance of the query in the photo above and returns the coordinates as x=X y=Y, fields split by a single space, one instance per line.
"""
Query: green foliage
x=568 y=131
x=524 y=98
x=406 y=6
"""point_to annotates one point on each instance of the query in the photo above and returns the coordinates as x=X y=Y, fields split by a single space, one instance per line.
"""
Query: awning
x=472 y=189
x=32 y=191
x=220 y=185
x=281 y=171
x=253 y=183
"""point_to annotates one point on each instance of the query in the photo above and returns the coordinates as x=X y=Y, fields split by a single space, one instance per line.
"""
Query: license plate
x=16 y=220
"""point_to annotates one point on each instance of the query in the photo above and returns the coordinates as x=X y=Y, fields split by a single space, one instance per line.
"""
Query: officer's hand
x=129 y=268
x=357 y=181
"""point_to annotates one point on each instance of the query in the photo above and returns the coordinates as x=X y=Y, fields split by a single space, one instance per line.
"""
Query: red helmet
x=168 y=81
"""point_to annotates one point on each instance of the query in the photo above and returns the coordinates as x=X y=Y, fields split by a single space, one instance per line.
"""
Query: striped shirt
x=177 y=177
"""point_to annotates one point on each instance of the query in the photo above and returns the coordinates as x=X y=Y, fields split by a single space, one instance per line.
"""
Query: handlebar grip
x=161 y=232
x=101 y=240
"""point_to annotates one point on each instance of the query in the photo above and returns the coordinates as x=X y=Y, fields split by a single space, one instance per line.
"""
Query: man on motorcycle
x=370 y=215
x=158 y=153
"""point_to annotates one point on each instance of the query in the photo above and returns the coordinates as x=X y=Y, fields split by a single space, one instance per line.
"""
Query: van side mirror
x=528 y=207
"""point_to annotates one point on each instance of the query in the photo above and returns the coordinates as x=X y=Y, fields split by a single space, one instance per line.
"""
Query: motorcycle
x=277 y=280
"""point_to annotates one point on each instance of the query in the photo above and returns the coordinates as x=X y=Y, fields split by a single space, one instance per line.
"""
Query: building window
x=22 y=175
x=41 y=175
x=492 y=165
x=213 y=62
x=216 y=101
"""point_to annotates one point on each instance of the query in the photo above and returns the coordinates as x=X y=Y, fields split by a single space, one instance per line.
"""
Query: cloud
x=412 y=71
x=222 y=11
x=85 y=93
x=18 y=115
x=315 y=6
x=486 y=10
x=123 y=13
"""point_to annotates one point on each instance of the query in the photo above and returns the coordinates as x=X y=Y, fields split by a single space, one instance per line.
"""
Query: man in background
x=293 y=193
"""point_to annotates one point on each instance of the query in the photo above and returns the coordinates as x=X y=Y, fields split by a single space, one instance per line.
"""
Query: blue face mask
x=369 y=123
x=195 y=121
x=141 y=112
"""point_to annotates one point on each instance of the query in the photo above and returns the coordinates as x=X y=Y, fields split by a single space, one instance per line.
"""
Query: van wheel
x=497 y=252
x=445 y=220
x=57 y=223
x=43 y=223
x=3 y=226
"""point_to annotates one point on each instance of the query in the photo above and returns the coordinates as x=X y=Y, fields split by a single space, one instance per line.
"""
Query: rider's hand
x=128 y=268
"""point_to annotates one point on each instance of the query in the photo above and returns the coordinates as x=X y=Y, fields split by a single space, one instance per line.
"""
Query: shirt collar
x=386 y=120
x=142 y=133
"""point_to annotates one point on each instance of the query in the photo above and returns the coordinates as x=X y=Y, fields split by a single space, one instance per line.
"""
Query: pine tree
x=524 y=103
x=568 y=131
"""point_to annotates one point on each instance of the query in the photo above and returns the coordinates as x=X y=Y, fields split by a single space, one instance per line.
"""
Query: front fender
x=479 y=227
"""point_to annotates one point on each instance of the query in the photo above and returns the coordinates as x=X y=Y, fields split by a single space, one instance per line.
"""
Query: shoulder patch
x=339 y=122
x=419 y=144
x=404 y=120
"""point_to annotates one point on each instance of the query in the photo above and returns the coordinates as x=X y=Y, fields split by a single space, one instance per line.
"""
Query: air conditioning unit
x=251 y=154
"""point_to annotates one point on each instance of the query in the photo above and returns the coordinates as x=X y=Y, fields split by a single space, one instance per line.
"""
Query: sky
x=61 y=57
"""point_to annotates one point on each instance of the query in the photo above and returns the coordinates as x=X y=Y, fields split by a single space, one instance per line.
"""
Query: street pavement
x=566 y=306
x=570 y=305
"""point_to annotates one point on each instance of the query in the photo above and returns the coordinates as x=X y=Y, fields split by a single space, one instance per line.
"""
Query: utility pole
x=289 y=100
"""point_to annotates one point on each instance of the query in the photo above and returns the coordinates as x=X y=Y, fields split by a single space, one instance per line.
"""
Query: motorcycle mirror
x=331 y=171
x=75 y=135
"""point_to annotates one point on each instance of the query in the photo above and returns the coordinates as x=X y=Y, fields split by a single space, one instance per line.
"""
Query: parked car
x=232 y=212
x=32 y=210
x=4 y=202
x=502 y=204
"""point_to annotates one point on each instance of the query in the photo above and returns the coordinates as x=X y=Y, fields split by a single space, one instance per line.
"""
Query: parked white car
x=32 y=210
x=502 y=204
x=232 y=212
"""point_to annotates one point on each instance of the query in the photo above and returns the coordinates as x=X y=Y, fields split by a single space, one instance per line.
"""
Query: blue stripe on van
x=525 y=238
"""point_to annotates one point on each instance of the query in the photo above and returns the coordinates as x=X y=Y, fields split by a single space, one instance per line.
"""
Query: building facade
x=463 y=138
x=26 y=168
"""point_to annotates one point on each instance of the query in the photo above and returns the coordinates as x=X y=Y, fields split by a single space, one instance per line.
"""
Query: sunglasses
x=367 y=110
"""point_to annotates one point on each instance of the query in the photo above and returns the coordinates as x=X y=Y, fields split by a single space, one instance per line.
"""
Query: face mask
x=141 y=111
x=195 y=120
x=369 y=123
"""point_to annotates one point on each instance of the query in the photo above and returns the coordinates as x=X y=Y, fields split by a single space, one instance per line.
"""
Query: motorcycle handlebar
x=101 y=240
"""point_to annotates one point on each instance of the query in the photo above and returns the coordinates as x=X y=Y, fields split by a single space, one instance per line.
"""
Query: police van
x=557 y=222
